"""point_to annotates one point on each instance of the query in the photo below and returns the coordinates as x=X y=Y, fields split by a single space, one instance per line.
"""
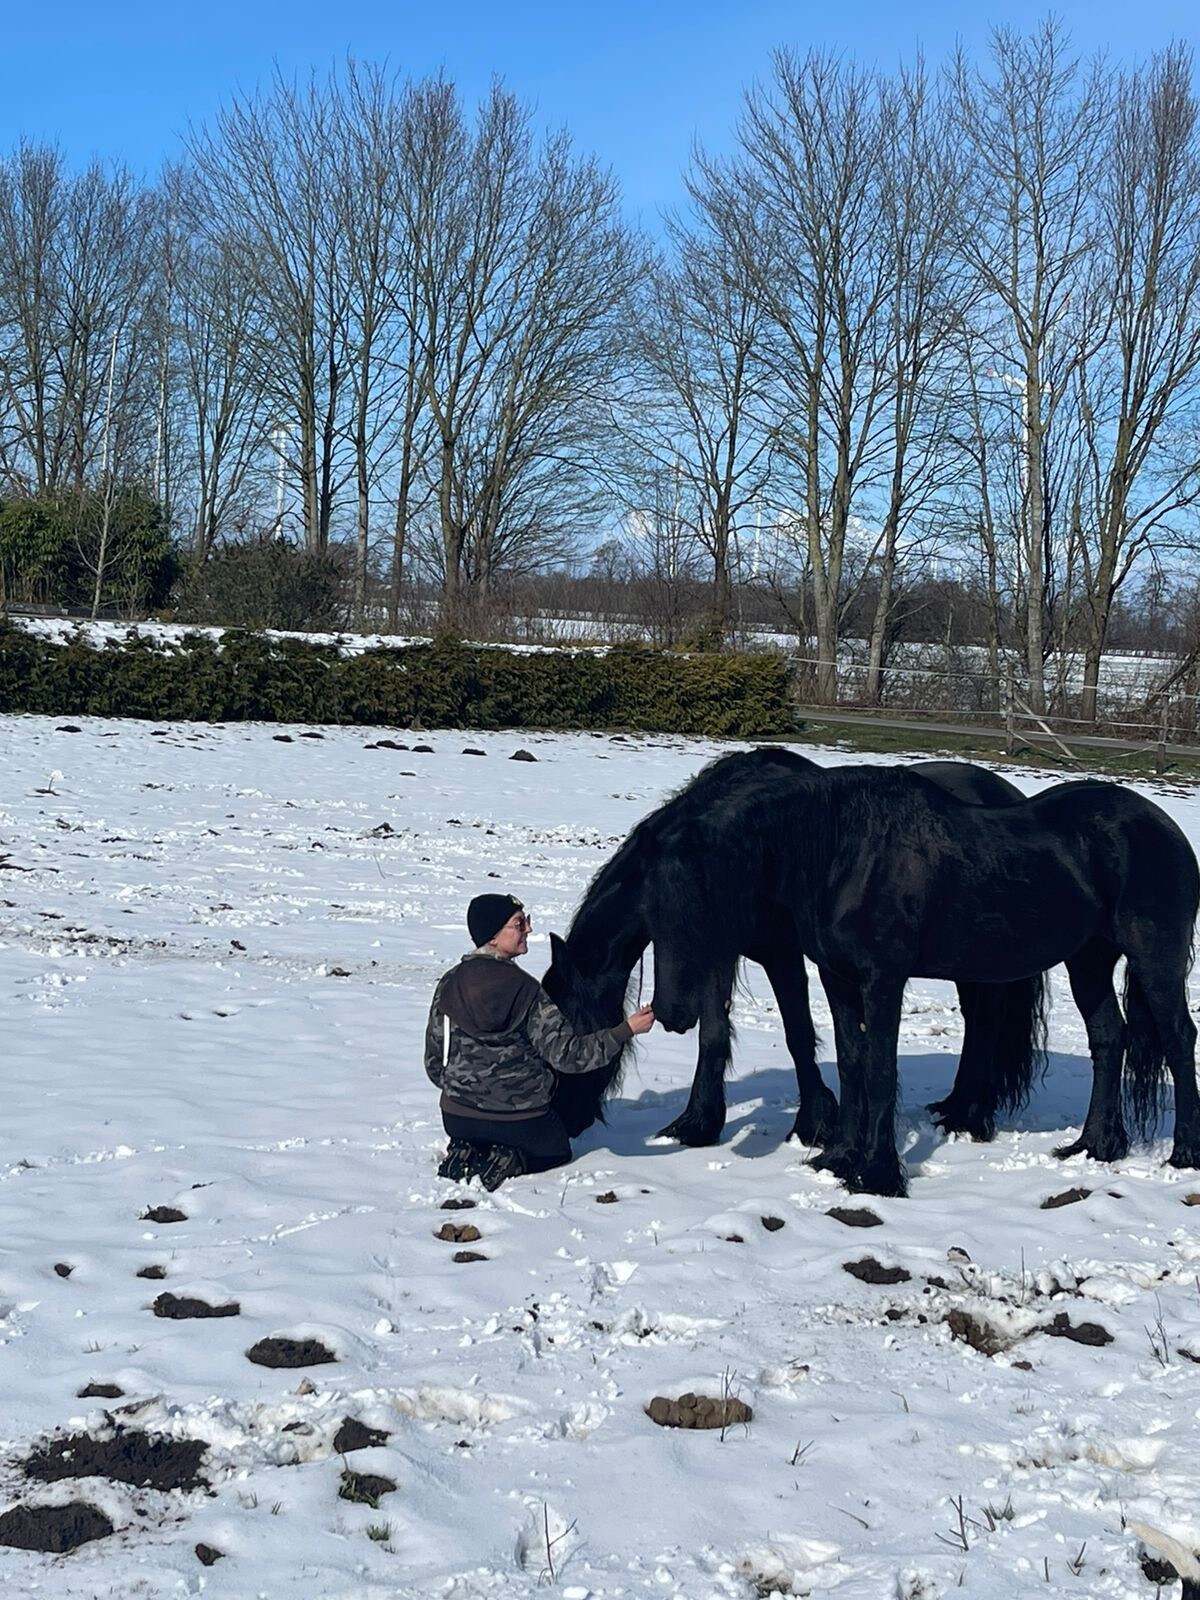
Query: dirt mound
x=1080 y=1332
x=181 y=1307
x=63 y=1269
x=609 y=1198
x=208 y=1555
x=356 y=1435
x=468 y=1255
x=99 y=1391
x=279 y=1352
x=457 y=1205
x=975 y=1331
x=164 y=1214
x=1069 y=1197
x=365 y=1488
x=855 y=1217
x=868 y=1270
x=697 y=1411
x=143 y=1460
x=458 y=1233
x=54 y=1529
x=153 y=1271
x=772 y=1224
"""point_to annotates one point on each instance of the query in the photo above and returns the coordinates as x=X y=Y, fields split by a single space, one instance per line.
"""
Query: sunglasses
x=522 y=921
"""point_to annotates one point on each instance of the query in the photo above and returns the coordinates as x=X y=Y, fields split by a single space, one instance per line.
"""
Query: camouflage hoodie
x=495 y=1039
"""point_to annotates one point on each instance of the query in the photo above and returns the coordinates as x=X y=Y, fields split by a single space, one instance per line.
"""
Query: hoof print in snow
x=868 y=1270
x=698 y=1411
x=522 y=755
x=312 y=735
x=855 y=1217
x=422 y=750
x=458 y=1205
x=458 y=1233
x=469 y=751
x=772 y=1224
x=1079 y=1332
x=279 y=1352
x=283 y=738
x=152 y=1271
x=164 y=1214
x=142 y=1460
x=100 y=1391
x=53 y=1529
x=365 y=1488
x=62 y=1269
x=1069 y=1197
x=468 y=1255
x=208 y=1555
x=356 y=1435
x=180 y=1308
x=608 y=1199
x=975 y=1331
x=68 y=727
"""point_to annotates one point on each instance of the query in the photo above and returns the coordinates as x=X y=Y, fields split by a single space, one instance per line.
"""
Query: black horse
x=888 y=877
x=1003 y=1023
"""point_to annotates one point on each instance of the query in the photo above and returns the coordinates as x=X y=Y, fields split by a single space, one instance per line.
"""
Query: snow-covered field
x=216 y=951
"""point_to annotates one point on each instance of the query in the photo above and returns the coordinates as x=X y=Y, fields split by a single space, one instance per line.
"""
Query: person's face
x=513 y=938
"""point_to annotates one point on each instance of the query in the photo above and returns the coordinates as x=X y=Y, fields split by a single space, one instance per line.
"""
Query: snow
x=177 y=906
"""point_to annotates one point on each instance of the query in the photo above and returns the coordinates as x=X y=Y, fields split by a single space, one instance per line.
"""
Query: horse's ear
x=559 y=955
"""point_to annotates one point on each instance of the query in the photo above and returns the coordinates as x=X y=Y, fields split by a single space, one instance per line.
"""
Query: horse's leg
x=970 y=1106
x=1103 y=1135
x=703 y=1118
x=1159 y=1025
x=843 y=1153
x=817 y=1117
x=879 y=1170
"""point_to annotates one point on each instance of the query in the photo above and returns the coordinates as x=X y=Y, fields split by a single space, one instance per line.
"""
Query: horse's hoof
x=973 y=1123
x=813 y=1130
x=687 y=1130
x=840 y=1163
x=1184 y=1155
x=882 y=1179
x=1112 y=1147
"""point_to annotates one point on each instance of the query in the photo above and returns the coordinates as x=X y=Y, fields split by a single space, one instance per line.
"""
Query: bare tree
x=1036 y=130
x=1137 y=392
x=691 y=406
x=269 y=171
x=801 y=204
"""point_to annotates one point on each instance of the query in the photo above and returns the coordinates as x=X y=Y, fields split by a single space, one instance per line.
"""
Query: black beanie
x=488 y=913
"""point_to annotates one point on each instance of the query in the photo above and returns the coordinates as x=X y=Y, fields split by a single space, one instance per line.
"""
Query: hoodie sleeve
x=554 y=1039
x=435 y=1066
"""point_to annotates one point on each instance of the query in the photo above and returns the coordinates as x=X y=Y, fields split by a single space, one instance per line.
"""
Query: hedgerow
x=247 y=676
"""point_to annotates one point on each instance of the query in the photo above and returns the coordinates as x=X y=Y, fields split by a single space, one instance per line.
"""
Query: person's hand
x=642 y=1020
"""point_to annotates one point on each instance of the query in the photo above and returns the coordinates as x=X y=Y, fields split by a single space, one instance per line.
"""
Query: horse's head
x=590 y=999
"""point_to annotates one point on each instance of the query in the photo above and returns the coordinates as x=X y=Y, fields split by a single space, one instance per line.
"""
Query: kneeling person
x=494 y=1041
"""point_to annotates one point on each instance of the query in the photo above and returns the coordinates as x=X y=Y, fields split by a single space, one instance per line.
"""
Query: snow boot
x=462 y=1160
x=501 y=1163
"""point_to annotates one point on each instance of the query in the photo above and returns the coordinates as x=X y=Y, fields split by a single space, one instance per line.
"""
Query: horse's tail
x=1019 y=1023
x=1143 y=1080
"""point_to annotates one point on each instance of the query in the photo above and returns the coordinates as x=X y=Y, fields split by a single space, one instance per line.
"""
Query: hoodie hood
x=487 y=995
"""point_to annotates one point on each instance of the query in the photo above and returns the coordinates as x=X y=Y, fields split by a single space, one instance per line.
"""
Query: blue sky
x=635 y=83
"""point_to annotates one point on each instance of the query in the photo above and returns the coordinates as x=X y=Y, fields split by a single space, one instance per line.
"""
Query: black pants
x=542 y=1140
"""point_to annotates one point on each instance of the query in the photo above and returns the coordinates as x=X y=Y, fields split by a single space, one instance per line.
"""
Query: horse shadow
x=762 y=1109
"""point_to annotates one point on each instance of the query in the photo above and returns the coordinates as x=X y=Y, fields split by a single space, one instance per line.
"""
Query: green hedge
x=250 y=677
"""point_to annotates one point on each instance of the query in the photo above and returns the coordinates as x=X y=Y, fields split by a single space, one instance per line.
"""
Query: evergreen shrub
x=247 y=676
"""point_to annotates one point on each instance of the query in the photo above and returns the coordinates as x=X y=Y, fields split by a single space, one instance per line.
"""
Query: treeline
x=911 y=319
